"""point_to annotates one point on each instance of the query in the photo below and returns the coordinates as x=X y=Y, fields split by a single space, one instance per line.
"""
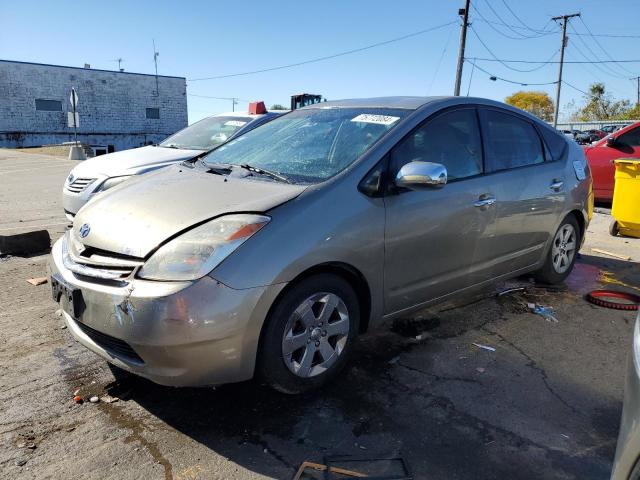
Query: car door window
x=451 y=139
x=630 y=138
x=510 y=141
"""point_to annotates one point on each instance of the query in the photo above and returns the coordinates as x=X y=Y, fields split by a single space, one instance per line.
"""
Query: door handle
x=485 y=202
x=556 y=185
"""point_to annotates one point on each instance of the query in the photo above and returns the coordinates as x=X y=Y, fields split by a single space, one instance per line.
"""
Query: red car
x=625 y=143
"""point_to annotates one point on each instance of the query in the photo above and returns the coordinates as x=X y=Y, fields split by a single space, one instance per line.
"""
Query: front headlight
x=112 y=182
x=195 y=253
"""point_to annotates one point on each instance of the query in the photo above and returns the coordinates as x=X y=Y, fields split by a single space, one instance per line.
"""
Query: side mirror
x=611 y=141
x=416 y=175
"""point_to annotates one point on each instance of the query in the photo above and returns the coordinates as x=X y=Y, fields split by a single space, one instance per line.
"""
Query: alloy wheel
x=315 y=335
x=564 y=248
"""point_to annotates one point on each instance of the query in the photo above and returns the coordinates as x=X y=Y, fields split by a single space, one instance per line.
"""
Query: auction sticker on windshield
x=235 y=123
x=378 y=119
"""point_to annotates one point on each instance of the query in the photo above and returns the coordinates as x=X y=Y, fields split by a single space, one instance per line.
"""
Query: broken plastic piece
x=546 y=312
x=485 y=347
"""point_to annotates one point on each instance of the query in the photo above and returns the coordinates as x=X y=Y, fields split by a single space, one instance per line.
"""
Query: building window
x=153 y=113
x=48 y=105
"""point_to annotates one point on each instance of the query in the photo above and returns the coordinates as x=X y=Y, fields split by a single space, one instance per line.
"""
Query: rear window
x=555 y=143
x=510 y=142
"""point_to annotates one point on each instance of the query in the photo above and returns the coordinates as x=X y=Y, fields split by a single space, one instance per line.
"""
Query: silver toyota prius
x=267 y=257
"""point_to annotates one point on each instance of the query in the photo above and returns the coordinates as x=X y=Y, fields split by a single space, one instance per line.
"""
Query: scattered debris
x=511 y=290
x=109 y=399
x=63 y=327
x=614 y=299
x=94 y=399
x=393 y=360
x=71 y=429
x=59 y=312
x=37 y=281
x=611 y=254
x=20 y=462
x=77 y=399
x=77 y=392
x=323 y=468
x=563 y=435
x=546 y=312
x=485 y=347
x=480 y=370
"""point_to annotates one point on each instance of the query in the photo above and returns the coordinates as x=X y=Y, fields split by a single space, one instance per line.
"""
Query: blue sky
x=207 y=38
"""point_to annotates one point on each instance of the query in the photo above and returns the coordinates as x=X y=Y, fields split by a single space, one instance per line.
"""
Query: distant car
x=590 y=136
x=625 y=143
x=611 y=128
x=269 y=255
x=101 y=173
x=626 y=465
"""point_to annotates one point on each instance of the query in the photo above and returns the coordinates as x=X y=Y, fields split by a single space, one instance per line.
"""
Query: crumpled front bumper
x=182 y=333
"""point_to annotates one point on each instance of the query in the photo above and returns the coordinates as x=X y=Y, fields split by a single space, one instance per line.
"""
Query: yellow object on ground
x=626 y=197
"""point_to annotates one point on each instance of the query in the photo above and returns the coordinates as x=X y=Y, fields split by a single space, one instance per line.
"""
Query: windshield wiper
x=262 y=171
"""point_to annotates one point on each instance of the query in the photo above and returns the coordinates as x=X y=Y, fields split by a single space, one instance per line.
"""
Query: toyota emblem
x=84 y=230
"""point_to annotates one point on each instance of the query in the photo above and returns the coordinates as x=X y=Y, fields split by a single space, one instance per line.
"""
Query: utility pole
x=564 y=19
x=234 y=102
x=464 y=13
x=637 y=79
x=155 y=60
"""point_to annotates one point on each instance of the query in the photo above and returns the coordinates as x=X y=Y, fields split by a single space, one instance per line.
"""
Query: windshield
x=207 y=133
x=311 y=145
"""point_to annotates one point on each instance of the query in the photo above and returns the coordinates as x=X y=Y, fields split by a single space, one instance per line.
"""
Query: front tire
x=562 y=253
x=309 y=334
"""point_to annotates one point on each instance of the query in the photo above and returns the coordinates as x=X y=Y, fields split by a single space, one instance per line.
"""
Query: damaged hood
x=131 y=162
x=136 y=216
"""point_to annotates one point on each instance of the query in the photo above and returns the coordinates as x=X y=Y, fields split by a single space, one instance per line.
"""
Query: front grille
x=111 y=344
x=91 y=262
x=79 y=184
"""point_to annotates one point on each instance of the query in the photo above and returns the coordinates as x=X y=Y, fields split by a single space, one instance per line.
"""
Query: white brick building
x=117 y=110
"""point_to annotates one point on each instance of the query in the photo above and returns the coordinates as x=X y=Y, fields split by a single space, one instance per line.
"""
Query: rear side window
x=451 y=139
x=630 y=138
x=510 y=142
x=555 y=143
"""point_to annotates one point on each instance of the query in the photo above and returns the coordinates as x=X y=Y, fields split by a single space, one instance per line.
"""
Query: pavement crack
x=531 y=363
x=438 y=378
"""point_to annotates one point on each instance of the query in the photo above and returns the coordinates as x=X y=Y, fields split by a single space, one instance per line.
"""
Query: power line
x=607 y=70
x=504 y=63
x=602 y=48
x=515 y=82
x=517 y=17
x=218 y=98
x=556 y=61
x=507 y=25
x=327 y=57
x=497 y=23
x=551 y=32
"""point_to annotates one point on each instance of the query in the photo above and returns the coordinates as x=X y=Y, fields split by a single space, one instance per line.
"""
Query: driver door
x=438 y=240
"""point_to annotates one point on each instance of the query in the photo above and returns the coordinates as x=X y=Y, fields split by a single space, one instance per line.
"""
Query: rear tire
x=614 y=230
x=562 y=253
x=309 y=334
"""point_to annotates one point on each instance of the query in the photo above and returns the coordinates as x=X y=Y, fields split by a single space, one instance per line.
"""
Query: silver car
x=267 y=257
x=626 y=465
x=98 y=174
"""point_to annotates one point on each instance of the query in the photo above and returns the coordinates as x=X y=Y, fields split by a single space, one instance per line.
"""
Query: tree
x=536 y=103
x=277 y=106
x=600 y=105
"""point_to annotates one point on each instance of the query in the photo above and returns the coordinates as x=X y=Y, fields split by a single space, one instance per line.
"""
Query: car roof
x=411 y=103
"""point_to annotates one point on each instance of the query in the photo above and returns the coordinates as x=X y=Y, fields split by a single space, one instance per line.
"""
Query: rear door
x=529 y=188
x=437 y=240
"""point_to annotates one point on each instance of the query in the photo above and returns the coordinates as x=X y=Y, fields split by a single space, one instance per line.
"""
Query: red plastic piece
x=257 y=108
x=597 y=297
